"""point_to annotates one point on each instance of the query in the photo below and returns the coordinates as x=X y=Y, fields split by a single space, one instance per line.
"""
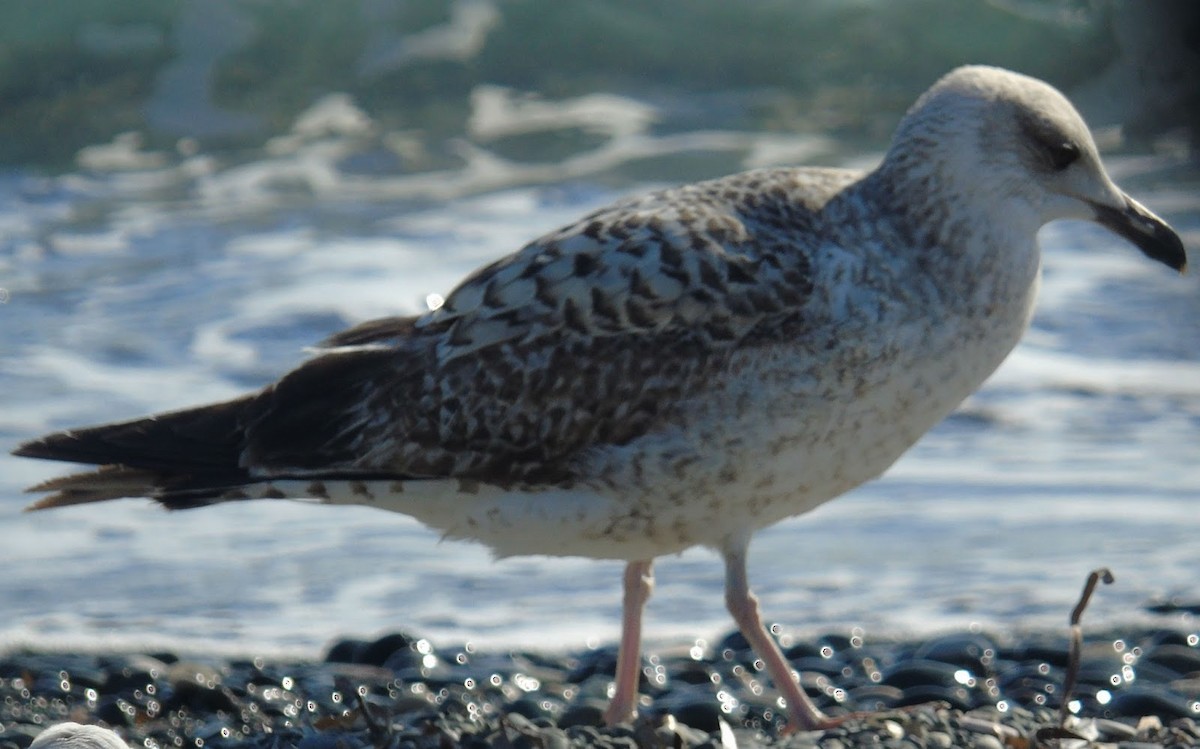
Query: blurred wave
x=226 y=75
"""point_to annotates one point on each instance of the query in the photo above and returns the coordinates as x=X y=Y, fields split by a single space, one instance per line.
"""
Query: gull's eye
x=1062 y=155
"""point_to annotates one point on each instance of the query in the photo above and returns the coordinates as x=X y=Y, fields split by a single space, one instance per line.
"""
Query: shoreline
x=399 y=690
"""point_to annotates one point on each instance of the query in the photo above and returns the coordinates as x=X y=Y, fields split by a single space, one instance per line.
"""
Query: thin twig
x=1097 y=575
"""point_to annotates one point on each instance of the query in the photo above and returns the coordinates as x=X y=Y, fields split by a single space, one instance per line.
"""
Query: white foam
x=142 y=389
x=497 y=112
x=1034 y=368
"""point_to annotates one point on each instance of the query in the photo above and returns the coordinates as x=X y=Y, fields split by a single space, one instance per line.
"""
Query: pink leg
x=743 y=605
x=639 y=583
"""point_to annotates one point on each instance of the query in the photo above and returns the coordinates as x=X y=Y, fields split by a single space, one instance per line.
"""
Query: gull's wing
x=712 y=259
x=590 y=336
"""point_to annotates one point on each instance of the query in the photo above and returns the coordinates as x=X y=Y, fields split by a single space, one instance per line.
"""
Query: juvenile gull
x=75 y=736
x=676 y=370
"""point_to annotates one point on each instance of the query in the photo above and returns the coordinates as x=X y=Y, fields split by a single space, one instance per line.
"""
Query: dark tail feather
x=204 y=438
x=109 y=482
x=308 y=422
x=182 y=458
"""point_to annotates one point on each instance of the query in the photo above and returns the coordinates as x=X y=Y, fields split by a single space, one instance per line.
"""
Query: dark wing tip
x=42 y=447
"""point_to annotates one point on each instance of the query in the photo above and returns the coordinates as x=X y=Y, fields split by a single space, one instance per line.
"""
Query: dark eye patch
x=1048 y=146
x=1061 y=155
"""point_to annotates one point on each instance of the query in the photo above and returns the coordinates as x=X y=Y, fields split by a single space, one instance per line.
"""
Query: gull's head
x=1015 y=144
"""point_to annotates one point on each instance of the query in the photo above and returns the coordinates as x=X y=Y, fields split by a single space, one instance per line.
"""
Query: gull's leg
x=743 y=605
x=639 y=583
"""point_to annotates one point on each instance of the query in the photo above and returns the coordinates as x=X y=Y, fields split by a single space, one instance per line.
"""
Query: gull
x=71 y=735
x=678 y=369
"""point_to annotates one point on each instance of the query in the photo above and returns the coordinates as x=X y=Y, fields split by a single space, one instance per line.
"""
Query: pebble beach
x=1135 y=689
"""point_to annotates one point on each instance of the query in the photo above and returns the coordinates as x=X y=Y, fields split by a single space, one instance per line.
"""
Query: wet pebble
x=921 y=672
x=973 y=652
x=583 y=713
x=1180 y=603
x=1181 y=659
x=958 y=690
x=1152 y=700
x=876 y=696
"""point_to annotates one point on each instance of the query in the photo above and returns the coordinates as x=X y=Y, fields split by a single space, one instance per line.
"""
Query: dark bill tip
x=1149 y=233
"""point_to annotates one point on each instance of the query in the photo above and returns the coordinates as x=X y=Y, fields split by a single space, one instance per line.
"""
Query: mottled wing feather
x=715 y=257
x=593 y=335
x=522 y=413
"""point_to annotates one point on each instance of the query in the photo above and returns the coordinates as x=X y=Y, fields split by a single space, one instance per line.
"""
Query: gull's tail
x=308 y=425
x=182 y=459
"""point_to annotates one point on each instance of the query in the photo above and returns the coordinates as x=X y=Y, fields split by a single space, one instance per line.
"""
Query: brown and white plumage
x=502 y=384
x=675 y=370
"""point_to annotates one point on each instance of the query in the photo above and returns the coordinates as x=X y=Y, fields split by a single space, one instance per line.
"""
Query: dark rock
x=19 y=736
x=692 y=672
x=1187 y=726
x=802 y=649
x=391 y=651
x=1139 y=701
x=1174 y=605
x=1167 y=637
x=974 y=652
x=597 y=662
x=134 y=673
x=1036 y=670
x=921 y=694
x=345 y=651
x=114 y=711
x=1103 y=672
x=735 y=642
x=198 y=687
x=320 y=740
x=913 y=673
x=818 y=665
x=696 y=706
x=875 y=697
x=1032 y=691
x=582 y=714
x=1055 y=652
x=527 y=707
x=1114 y=730
x=201 y=698
x=839 y=642
x=585 y=735
x=553 y=738
x=1181 y=659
